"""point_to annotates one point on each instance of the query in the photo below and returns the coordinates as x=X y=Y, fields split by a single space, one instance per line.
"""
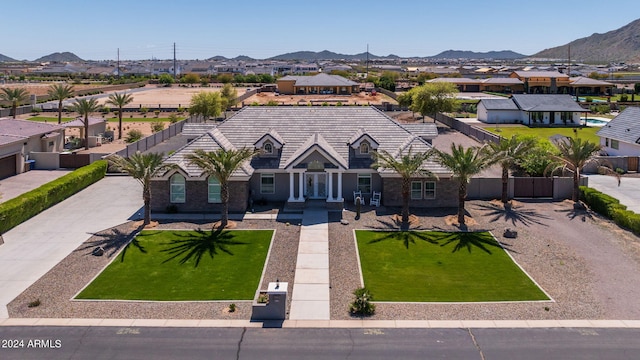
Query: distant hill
x=621 y=45
x=59 y=57
x=459 y=54
x=326 y=55
x=243 y=58
x=5 y=58
x=218 y=58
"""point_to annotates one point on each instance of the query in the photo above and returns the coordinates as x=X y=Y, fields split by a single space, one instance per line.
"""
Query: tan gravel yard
x=586 y=264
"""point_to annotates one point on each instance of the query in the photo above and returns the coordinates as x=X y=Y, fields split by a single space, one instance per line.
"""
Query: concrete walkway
x=627 y=192
x=32 y=248
x=311 y=299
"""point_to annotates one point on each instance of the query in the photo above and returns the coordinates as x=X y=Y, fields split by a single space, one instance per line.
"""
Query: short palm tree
x=142 y=167
x=221 y=164
x=120 y=100
x=408 y=166
x=464 y=164
x=575 y=154
x=60 y=92
x=15 y=97
x=84 y=108
x=507 y=153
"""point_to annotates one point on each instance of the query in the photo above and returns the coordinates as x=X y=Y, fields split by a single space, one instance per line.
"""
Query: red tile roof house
x=20 y=138
x=319 y=153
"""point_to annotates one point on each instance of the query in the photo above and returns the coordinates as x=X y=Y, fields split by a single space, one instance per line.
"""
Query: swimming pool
x=596 y=121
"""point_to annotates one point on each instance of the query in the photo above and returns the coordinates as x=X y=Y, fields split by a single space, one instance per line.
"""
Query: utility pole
x=367 y=60
x=174 y=62
x=569 y=65
x=118 y=63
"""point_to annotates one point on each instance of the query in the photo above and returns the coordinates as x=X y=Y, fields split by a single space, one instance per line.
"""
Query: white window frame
x=364 y=148
x=417 y=192
x=177 y=189
x=615 y=144
x=362 y=188
x=263 y=188
x=214 y=191
x=268 y=148
x=429 y=193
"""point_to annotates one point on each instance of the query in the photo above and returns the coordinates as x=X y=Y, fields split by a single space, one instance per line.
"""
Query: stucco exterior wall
x=196 y=199
x=446 y=193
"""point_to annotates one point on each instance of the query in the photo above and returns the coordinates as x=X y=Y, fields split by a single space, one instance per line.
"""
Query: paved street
x=35 y=246
x=368 y=343
x=628 y=192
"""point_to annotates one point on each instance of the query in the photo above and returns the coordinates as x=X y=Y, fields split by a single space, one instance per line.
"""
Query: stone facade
x=197 y=197
x=446 y=193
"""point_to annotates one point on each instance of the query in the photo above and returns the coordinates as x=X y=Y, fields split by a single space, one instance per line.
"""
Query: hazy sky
x=144 y=29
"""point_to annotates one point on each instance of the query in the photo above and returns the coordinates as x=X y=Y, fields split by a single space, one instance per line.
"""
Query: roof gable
x=535 y=102
x=316 y=142
x=624 y=127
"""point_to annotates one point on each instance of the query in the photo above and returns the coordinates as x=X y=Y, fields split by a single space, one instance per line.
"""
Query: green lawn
x=588 y=133
x=185 y=265
x=412 y=266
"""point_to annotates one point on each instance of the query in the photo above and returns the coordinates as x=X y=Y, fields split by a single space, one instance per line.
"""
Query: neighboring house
x=531 y=110
x=581 y=86
x=463 y=84
x=97 y=127
x=316 y=84
x=322 y=153
x=621 y=136
x=543 y=82
x=19 y=138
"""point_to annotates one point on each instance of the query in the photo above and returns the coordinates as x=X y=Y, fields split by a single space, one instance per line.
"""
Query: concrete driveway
x=35 y=246
x=628 y=192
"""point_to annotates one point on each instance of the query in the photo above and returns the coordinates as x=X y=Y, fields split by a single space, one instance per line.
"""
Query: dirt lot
x=41 y=88
x=356 y=99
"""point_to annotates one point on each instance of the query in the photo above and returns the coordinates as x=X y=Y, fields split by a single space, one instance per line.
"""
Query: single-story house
x=543 y=82
x=319 y=153
x=581 y=86
x=19 y=138
x=621 y=136
x=531 y=109
x=317 y=84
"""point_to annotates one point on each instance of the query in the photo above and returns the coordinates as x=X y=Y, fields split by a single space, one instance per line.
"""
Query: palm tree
x=15 y=97
x=84 y=108
x=508 y=152
x=60 y=92
x=575 y=154
x=120 y=100
x=407 y=166
x=464 y=164
x=221 y=164
x=142 y=167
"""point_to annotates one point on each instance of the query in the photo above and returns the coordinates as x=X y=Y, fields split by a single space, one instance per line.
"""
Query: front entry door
x=316 y=185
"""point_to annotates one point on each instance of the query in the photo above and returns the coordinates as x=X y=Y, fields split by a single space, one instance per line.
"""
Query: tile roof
x=585 y=81
x=499 y=104
x=503 y=81
x=330 y=128
x=425 y=130
x=79 y=122
x=624 y=127
x=539 y=74
x=196 y=129
x=456 y=80
x=13 y=130
x=321 y=79
x=554 y=102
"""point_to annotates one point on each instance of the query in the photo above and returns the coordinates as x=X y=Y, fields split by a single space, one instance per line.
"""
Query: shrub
x=156 y=113
x=106 y=109
x=362 y=305
x=133 y=136
x=157 y=126
x=180 y=110
x=34 y=303
x=272 y=103
x=232 y=307
x=173 y=118
x=599 y=202
x=144 y=110
x=17 y=210
x=626 y=219
x=624 y=98
x=588 y=99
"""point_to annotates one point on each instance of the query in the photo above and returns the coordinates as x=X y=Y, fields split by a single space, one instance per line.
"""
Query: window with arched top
x=213 y=190
x=364 y=148
x=268 y=148
x=177 y=188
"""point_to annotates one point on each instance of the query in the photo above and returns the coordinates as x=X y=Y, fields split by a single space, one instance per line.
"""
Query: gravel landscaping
x=586 y=264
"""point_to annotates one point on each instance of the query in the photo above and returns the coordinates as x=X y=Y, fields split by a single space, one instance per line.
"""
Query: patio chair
x=375 y=199
x=357 y=194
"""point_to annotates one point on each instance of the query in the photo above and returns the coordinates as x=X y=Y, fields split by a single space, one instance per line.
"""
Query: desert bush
x=133 y=136
x=362 y=305
x=157 y=126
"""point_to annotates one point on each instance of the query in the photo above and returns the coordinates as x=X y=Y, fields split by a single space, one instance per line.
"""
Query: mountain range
x=620 y=45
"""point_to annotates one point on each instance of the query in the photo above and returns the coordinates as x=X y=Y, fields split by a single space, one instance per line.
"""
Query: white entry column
x=339 y=186
x=301 y=186
x=291 y=196
x=330 y=183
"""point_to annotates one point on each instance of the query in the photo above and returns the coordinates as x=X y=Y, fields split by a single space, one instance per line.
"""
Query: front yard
x=586 y=133
x=185 y=266
x=431 y=266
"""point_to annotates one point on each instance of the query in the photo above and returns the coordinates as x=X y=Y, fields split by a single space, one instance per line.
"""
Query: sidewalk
x=37 y=245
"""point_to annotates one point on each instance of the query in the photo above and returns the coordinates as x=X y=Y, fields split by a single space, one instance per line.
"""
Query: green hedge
x=17 y=210
x=599 y=202
x=611 y=208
